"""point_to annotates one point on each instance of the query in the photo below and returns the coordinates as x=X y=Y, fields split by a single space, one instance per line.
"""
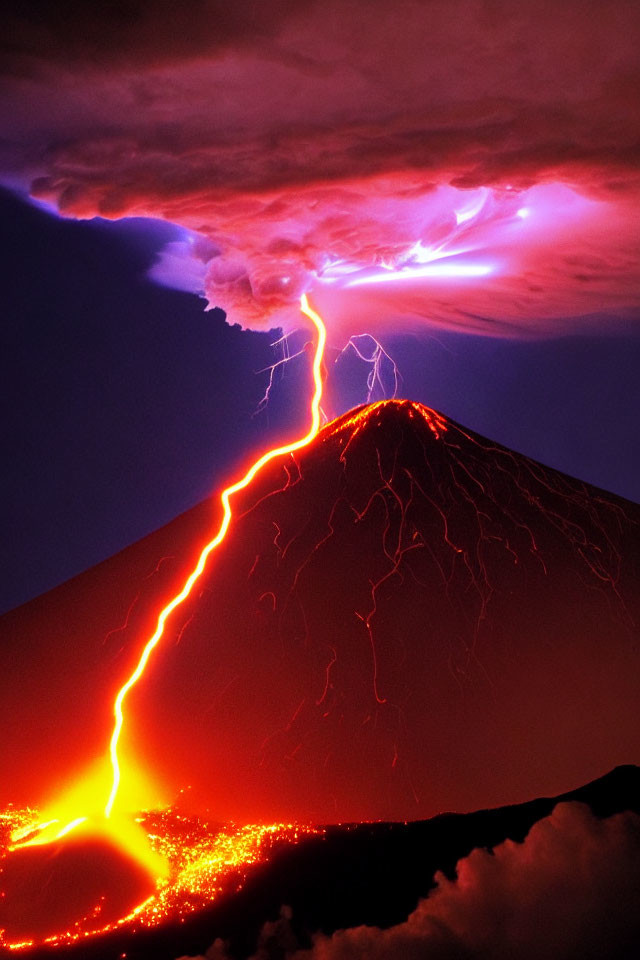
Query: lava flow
x=187 y=869
x=83 y=891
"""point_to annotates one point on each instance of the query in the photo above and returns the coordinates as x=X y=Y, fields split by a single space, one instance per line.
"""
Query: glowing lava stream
x=40 y=837
x=217 y=540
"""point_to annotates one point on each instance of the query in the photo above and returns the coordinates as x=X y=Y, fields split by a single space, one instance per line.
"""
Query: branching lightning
x=282 y=342
x=378 y=360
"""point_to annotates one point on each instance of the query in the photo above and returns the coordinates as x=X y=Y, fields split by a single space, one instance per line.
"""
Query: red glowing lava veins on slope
x=489 y=655
x=404 y=618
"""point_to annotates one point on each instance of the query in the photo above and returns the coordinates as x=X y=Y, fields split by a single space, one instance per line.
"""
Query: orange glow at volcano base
x=60 y=893
x=186 y=859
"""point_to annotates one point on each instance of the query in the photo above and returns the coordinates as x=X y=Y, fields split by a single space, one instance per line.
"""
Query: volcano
x=405 y=618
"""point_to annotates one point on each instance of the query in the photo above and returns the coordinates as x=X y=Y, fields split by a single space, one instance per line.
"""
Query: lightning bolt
x=225 y=498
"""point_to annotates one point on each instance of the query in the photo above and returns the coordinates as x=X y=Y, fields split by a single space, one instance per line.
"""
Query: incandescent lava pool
x=84 y=886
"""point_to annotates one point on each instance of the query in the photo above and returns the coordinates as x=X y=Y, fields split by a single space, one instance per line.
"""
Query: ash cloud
x=568 y=891
x=290 y=134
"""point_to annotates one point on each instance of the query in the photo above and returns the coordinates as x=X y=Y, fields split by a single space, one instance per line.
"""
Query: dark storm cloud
x=138 y=32
x=289 y=133
x=570 y=890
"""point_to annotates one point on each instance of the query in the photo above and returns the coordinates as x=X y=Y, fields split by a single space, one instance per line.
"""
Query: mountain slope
x=404 y=618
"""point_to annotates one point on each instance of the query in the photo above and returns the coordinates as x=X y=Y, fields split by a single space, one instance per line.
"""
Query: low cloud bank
x=569 y=892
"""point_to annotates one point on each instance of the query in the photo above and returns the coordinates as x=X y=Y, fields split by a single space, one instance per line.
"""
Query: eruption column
x=214 y=543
